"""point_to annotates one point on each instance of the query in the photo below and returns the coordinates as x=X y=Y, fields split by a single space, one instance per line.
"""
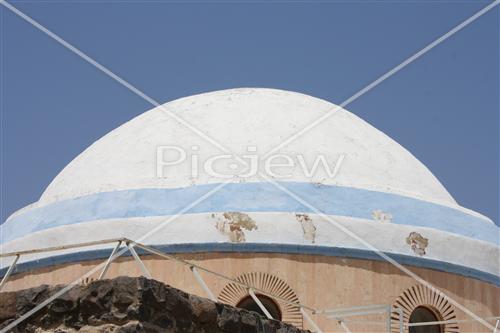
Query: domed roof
x=240 y=118
x=161 y=165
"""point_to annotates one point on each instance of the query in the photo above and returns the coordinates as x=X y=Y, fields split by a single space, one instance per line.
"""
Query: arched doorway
x=422 y=314
x=249 y=304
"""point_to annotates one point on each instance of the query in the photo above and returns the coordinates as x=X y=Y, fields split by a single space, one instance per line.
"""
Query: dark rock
x=249 y=322
x=129 y=305
x=203 y=309
x=229 y=320
x=8 y=306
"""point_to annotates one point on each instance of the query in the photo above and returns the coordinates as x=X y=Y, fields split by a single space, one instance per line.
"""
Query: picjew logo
x=171 y=159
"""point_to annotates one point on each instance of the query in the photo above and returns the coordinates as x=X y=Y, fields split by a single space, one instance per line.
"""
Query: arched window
x=422 y=314
x=249 y=304
x=419 y=304
x=278 y=297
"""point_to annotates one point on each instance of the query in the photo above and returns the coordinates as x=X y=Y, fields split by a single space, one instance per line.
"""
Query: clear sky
x=444 y=108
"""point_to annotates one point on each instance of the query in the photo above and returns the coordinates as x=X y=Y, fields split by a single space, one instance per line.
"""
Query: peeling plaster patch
x=233 y=224
x=381 y=216
x=308 y=227
x=417 y=242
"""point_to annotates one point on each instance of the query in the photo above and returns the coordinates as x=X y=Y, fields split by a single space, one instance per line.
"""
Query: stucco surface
x=237 y=118
x=274 y=229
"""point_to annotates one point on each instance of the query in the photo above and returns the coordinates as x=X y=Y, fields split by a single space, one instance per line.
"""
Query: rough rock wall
x=129 y=305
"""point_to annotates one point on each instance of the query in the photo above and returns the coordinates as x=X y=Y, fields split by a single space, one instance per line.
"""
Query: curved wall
x=319 y=281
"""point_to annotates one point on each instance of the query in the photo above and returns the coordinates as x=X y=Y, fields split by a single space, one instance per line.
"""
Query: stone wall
x=127 y=305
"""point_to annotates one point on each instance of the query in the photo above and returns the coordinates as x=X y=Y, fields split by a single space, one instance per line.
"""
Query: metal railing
x=194 y=268
x=339 y=315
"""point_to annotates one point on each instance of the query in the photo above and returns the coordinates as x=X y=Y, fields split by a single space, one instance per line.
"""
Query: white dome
x=238 y=118
x=380 y=191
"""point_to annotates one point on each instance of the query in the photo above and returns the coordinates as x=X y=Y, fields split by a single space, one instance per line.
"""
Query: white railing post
x=496 y=326
x=389 y=320
x=344 y=327
x=9 y=271
x=202 y=283
x=143 y=268
x=310 y=321
x=259 y=303
x=110 y=260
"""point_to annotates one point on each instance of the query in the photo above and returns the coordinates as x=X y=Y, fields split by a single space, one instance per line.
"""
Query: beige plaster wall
x=320 y=282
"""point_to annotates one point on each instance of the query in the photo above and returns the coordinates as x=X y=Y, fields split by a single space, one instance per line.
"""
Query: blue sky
x=444 y=108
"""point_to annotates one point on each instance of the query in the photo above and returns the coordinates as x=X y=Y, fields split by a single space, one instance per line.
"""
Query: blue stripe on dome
x=250 y=197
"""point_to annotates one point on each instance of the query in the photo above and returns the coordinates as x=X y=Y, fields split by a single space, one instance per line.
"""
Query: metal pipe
x=201 y=268
x=454 y=321
x=9 y=271
x=428 y=323
x=110 y=260
x=354 y=308
x=344 y=326
x=259 y=303
x=389 y=312
x=143 y=268
x=365 y=322
x=354 y=313
x=202 y=283
x=131 y=244
x=62 y=247
x=310 y=321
